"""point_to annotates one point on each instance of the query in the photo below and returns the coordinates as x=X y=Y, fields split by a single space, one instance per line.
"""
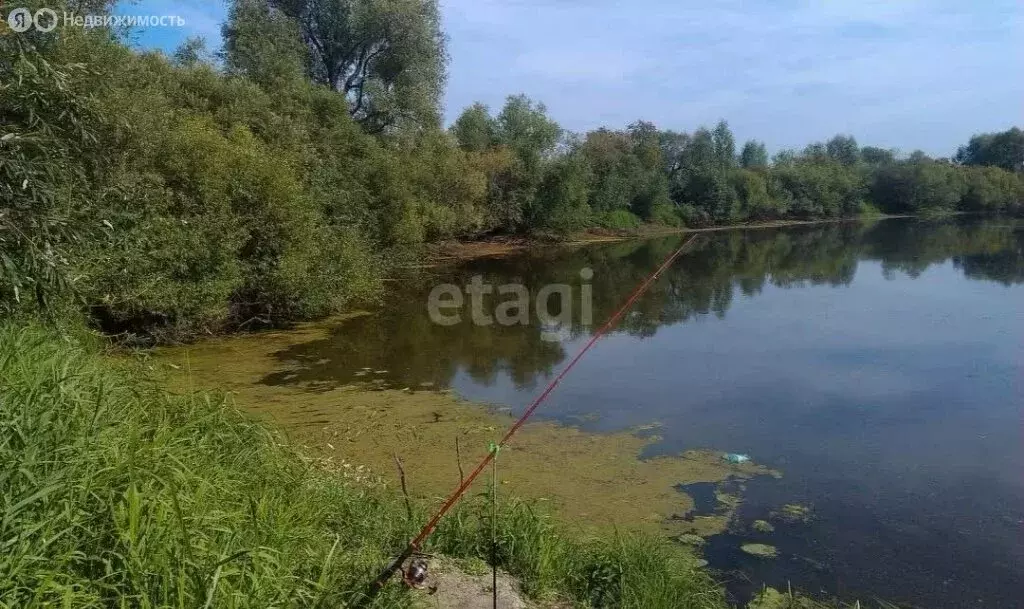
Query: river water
x=877 y=365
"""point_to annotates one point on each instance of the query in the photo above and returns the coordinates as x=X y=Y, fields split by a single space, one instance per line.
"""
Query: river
x=876 y=365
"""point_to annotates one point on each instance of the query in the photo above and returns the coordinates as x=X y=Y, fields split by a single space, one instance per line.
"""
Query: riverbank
x=118 y=491
x=452 y=251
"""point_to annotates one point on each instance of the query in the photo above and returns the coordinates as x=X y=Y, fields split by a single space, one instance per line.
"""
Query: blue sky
x=895 y=73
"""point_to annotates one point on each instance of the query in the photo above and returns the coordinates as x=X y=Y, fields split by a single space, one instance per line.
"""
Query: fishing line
x=417 y=542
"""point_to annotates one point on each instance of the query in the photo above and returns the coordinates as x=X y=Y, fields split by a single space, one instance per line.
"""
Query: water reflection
x=400 y=346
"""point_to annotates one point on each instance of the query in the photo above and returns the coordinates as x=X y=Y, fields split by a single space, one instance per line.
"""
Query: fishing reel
x=415 y=573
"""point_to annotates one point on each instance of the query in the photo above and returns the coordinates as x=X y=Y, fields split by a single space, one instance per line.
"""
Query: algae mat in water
x=590 y=480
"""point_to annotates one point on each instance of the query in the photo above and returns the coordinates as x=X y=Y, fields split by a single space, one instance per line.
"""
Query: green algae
x=793 y=513
x=589 y=479
x=761 y=550
x=689 y=539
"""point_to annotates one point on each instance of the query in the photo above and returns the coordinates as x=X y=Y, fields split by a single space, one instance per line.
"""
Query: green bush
x=666 y=215
x=619 y=219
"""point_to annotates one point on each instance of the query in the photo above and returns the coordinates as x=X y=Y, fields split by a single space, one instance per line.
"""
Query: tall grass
x=114 y=493
x=117 y=494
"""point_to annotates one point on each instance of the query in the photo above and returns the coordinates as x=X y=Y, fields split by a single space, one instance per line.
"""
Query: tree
x=387 y=57
x=918 y=156
x=752 y=189
x=523 y=139
x=877 y=156
x=48 y=155
x=646 y=144
x=725 y=145
x=524 y=127
x=843 y=149
x=263 y=45
x=992 y=189
x=815 y=152
x=672 y=145
x=562 y=198
x=617 y=173
x=754 y=155
x=191 y=52
x=784 y=158
x=1004 y=149
x=475 y=130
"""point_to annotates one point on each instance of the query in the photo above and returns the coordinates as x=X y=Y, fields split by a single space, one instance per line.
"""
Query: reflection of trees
x=401 y=339
x=990 y=249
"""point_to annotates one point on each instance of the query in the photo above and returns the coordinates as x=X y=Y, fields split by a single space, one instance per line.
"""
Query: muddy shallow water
x=876 y=365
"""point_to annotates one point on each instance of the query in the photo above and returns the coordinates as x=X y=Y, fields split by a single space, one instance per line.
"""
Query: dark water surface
x=877 y=365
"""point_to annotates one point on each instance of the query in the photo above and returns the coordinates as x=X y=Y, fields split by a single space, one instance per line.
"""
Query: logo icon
x=45 y=20
x=20 y=20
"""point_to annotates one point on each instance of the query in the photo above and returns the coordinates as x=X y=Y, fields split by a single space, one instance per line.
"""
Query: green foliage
x=475 y=130
x=261 y=44
x=386 y=57
x=47 y=127
x=515 y=152
x=725 y=145
x=171 y=197
x=916 y=187
x=872 y=155
x=843 y=149
x=754 y=155
x=191 y=52
x=562 y=203
x=618 y=219
x=992 y=189
x=1004 y=150
x=118 y=493
x=752 y=190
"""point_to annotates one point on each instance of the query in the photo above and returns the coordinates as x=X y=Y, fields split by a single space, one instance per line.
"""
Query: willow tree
x=387 y=57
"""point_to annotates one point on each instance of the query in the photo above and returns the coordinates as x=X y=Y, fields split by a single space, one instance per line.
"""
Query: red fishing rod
x=415 y=545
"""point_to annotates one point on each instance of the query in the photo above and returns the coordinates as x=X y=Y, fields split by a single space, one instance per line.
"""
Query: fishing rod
x=417 y=542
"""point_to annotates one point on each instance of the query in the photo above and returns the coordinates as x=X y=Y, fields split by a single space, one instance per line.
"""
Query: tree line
x=273 y=180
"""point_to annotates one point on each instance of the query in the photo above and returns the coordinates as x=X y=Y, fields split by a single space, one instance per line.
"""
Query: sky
x=906 y=74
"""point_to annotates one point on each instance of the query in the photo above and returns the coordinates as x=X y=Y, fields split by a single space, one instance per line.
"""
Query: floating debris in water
x=793 y=513
x=690 y=539
x=736 y=458
x=762 y=526
x=761 y=550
